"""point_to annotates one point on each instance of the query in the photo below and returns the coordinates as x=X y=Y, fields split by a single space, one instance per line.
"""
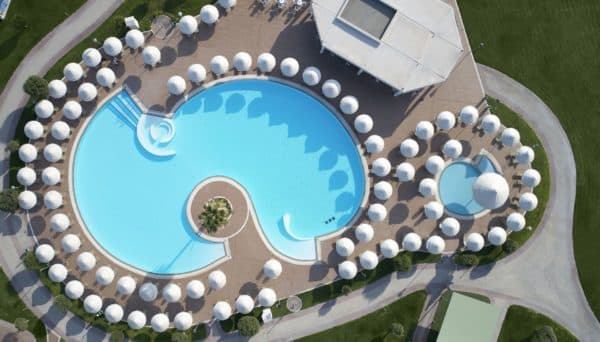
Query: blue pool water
x=291 y=154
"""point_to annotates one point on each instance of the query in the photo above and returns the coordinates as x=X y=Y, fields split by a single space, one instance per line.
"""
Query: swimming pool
x=297 y=162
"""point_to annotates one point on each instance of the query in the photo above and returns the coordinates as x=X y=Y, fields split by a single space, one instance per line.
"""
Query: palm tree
x=214 y=216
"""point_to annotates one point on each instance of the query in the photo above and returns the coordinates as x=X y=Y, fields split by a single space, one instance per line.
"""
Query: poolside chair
x=298 y=4
x=263 y=3
x=281 y=4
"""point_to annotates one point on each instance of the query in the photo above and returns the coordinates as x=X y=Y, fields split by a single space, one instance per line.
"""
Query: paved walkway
x=8 y=333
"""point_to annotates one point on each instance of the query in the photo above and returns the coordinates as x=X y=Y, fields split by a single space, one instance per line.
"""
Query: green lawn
x=376 y=326
x=520 y=324
x=552 y=47
x=11 y=308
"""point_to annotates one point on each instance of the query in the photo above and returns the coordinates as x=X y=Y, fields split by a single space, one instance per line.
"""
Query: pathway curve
x=9 y=333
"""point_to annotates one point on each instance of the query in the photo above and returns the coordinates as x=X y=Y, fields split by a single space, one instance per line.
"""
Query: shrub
x=468 y=260
x=402 y=263
x=397 y=329
x=13 y=146
x=30 y=262
x=544 y=334
x=179 y=336
x=9 y=200
x=117 y=336
x=62 y=302
x=36 y=87
x=21 y=324
x=119 y=26
x=346 y=290
x=248 y=326
x=510 y=246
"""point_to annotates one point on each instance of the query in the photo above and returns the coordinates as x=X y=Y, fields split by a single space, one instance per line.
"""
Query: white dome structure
x=374 y=144
x=33 y=130
x=311 y=76
x=363 y=123
x=227 y=4
x=272 y=269
x=452 y=149
x=171 y=293
x=383 y=190
x=44 y=108
x=531 y=178
x=26 y=176
x=266 y=62
x=112 y=46
x=114 y=313
x=349 y=104
x=242 y=61
x=510 y=137
x=106 y=77
x=364 y=232
x=435 y=164
x=435 y=245
x=490 y=124
x=331 y=88
x=188 y=25
x=57 y=273
x=344 y=247
x=528 y=201
x=515 y=222
x=347 y=270
x=70 y=243
x=183 y=321
x=381 y=167
x=159 y=322
x=60 y=130
x=56 y=89
x=412 y=242
x=474 y=242
x=468 y=115
x=148 y=292
x=267 y=297
x=490 y=190
x=53 y=200
x=51 y=176
x=136 y=320
x=497 y=236
x=209 y=14
x=73 y=72
x=219 y=65
x=217 y=280
x=427 y=187
x=44 y=253
x=87 y=92
x=53 y=153
x=377 y=212
x=86 y=261
x=244 y=304
x=105 y=275
x=389 y=248
x=424 y=130
x=450 y=226
x=445 y=121
x=433 y=210
x=74 y=289
x=92 y=304
x=405 y=172
x=196 y=73
x=59 y=222
x=525 y=155
x=135 y=39
x=72 y=110
x=368 y=260
x=151 y=55
x=222 y=310
x=176 y=85
x=289 y=67
x=27 y=200
x=409 y=148
x=91 y=57
x=195 y=289
x=27 y=153
x=126 y=285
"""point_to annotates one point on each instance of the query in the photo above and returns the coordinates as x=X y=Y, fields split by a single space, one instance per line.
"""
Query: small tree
x=117 y=336
x=21 y=324
x=36 y=87
x=544 y=334
x=248 y=326
x=402 y=262
x=510 y=246
x=346 y=290
x=215 y=215
x=397 y=329
x=30 y=262
x=63 y=303
x=13 y=146
x=9 y=200
x=468 y=260
x=180 y=336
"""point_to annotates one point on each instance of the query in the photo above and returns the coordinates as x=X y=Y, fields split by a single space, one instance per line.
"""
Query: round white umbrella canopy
x=196 y=73
x=209 y=14
x=528 y=201
x=344 y=247
x=510 y=137
x=222 y=310
x=433 y=210
x=219 y=65
x=136 y=320
x=112 y=46
x=183 y=321
x=70 y=243
x=51 y=176
x=368 y=260
x=195 y=289
x=151 y=55
x=531 y=178
x=44 y=253
x=242 y=61
x=289 y=67
x=92 y=304
x=435 y=164
x=490 y=124
x=176 y=85
x=217 y=280
x=244 y=304
x=134 y=39
x=363 y=123
x=377 y=212
x=159 y=322
x=86 y=261
x=347 y=270
x=490 y=190
x=452 y=149
x=435 y=244
x=383 y=190
x=497 y=236
x=331 y=88
x=412 y=242
x=59 y=222
x=515 y=222
x=468 y=115
x=57 y=273
x=381 y=167
x=72 y=110
x=424 y=130
x=374 y=144
x=73 y=72
x=427 y=187
x=227 y=4
x=114 y=313
x=311 y=76
x=405 y=172
x=364 y=232
x=44 y=108
x=126 y=285
x=60 y=130
x=56 y=89
x=267 y=297
x=171 y=293
x=33 y=130
x=87 y=92
x=525 y=155
x=74 y=289
x=272 y=269
x=53 y=153
x=91 y=57
x=53 y=199
x=445 y=120
x=188 y=25
x=349 y=104
x=148 y=292
x=27 y=153
x=450 y=226
x=26 y=176
x=409 y=148
x=106 y=77
x=105 y=275
x=474 y=242
x=389 y=248
x=266 y=62
x=27 y=200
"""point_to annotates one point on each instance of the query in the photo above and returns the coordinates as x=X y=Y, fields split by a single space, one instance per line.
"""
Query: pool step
x=127 y=110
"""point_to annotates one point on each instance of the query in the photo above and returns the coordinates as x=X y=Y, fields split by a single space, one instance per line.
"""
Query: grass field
x=552 y=48
x=442 y=308
x=11 y=308
x=520 y=324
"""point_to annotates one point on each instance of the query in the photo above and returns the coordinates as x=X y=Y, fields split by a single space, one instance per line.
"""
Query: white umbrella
x=405 y=172
x=445 y=120
x=427 y=187
x=188 y=25
x=272 y=269
x=176 y=85
x=51 y=176
x=347 y=270
x=134 y=39
x=219 y=65
x=86 y=261
x=490 y=190
x=510 y=137
x=92 y=304
x=74 y=289
x=72 y=110
x=114 y=313
x=171 y=293
x=56 y=89
x=474 y=242
x=409 y=148
x=468 y=115
x=435 y=244
x=160 y=322
x=53 y=200
x=217 y=280
x=311 y=76
x=27 y=153
x=33 y=130
x=331 y=88
x=363 y=123
x=151 y=55
x=91 y=57
x=267 y=297
x=105 y=275
x=227 y=4
x=497 y=236
x=196 y=73
x=433 y=210
x=289 y=67
x=344 y=247
x=368 y=260
x=244 y=304
x=112 y=46
x=452 y=149
x=44 y=108
x=377 y=212
x=26 y=176
x=242 y=61
x=70 y=243
x=73 y=72
x=450 y=226
x=435 y=164
x=136 y=320
x=59 y=222
x=87 y=92
x=222 y=310
x=148 y=292
x=374 y=144
x=383 y=190
x=266 y=62
x=106 y=77
x=525 y=155
x=57 y=273
x=381 y=167
x=53 y=153
x=183 y=321
x=195 y=289
x=60 y=130
x=349 y=104
x=411 y=242
x=44 y=253
x=27 y=200
x=209 y=14
x=424 y=130
x=515 y=222
x=364 y=232
x=126 y=285
x=490 y=124
x=531 y=178
x=528 y=201
x=389 y=248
